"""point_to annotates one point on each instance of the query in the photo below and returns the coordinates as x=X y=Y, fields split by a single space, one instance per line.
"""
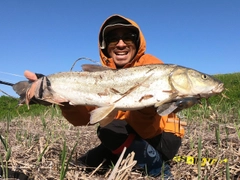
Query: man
x=153 y=138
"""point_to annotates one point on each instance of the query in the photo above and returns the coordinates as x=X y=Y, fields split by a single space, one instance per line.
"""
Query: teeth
x=122 y=53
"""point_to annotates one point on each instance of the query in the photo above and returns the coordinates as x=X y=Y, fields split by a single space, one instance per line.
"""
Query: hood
x=111 y=23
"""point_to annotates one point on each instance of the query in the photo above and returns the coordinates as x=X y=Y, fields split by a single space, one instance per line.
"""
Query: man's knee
x=114 y=134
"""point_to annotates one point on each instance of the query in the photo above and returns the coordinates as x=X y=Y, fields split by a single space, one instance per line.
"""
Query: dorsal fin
x=93 y=68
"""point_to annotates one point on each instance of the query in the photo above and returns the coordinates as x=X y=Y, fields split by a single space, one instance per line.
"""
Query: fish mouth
x=217 y=90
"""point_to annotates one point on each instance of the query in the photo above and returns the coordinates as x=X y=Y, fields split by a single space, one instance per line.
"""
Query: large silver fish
x=123 y=89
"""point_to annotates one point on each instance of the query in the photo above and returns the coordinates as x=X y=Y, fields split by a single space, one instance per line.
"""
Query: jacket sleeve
x=76 y=115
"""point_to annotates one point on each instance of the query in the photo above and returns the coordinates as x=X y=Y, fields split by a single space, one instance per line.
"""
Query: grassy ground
x=40 y=142
x=36 y=148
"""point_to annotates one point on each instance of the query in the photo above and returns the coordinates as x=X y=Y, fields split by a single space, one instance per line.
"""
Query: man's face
x=121 y=46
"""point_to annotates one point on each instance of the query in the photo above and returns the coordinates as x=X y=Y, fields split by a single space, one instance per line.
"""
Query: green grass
x=10 y=109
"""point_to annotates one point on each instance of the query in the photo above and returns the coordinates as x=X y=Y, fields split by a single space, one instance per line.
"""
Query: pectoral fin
x=104 y=115
x=177 y=105
x=185 y=103
x=166 y=108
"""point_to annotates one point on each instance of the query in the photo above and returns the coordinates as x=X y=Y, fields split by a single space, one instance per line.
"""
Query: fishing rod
x=6 y=83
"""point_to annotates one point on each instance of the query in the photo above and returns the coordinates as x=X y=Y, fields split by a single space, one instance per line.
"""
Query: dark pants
x=117 y=132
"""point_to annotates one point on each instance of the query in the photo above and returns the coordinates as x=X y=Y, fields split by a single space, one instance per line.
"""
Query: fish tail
x=37 y=92
x=24 y=90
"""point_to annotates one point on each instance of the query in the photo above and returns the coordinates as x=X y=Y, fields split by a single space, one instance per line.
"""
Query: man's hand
x=31 y=76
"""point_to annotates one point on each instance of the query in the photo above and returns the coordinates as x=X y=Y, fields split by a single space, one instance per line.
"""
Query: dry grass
x=28 y=139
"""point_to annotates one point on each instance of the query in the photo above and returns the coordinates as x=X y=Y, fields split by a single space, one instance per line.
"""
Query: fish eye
x=204 y=76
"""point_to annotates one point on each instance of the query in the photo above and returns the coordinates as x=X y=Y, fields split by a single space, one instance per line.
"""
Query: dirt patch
x=28 y=138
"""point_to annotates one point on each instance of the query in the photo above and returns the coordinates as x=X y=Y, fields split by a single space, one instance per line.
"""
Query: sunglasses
x=128 y=38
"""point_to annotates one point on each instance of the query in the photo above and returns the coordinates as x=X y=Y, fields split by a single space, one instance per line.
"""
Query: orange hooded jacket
x=146 y=122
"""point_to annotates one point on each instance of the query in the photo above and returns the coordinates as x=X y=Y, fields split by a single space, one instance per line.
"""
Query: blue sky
x=47 y=36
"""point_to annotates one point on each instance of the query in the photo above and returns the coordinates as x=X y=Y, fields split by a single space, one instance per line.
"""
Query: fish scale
x=102 y=88
x=123 y=89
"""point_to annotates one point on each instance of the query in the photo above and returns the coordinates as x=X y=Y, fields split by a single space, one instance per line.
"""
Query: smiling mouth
x=121 y=53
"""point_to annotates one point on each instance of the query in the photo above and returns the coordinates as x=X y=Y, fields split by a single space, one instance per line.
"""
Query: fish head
x=189 y=82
